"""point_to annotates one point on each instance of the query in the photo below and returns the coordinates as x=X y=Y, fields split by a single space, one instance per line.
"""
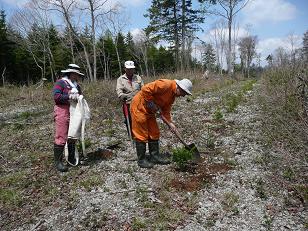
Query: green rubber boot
x=58 y=154
x=142 y=160
x=156 y=157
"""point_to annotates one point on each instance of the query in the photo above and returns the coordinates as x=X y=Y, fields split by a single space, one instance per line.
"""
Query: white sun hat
x=185 y=84
x=129 y=64
x=72 y=71
x=73 y=68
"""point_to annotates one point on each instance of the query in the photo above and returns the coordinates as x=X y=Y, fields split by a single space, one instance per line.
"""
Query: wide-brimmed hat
x=185 y=85
x=129 y=64
x=73 y=68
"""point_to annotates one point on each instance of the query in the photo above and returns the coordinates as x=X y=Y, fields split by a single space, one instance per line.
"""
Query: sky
x=272 y=21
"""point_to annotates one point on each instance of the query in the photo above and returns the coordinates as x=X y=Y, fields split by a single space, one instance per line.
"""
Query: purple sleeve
x=60 y=92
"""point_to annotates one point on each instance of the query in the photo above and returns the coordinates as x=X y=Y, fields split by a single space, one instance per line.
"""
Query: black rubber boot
x=156 y=157
x=58 y=154
x=71 y=153
x=142 y=160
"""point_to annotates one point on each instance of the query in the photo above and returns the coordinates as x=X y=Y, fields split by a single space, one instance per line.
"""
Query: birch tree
x=33 y=23
x=88 y=10
x=218 y=35
x=229 y=9
x=247 y=47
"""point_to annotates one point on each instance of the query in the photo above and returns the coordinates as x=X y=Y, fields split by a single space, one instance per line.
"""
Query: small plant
x=248 y=86
x=181 y=156
x=288 y=173
x=24 y=115
x=218 y=115
x=268 y=222
x=232 y=101
x=260 y=189
x=229 y=202
x=10 y=197
x=210 y=142
x=91 y=182
x=138 y=224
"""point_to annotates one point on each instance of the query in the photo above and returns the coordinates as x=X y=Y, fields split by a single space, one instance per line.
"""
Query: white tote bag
x=79 y=115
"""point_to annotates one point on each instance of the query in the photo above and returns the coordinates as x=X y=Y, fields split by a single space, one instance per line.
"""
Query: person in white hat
x=155 y=96
x=65 y=91
x=128 y=85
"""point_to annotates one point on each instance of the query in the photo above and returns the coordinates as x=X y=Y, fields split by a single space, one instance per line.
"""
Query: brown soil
x=101 y=154
x=199 y=175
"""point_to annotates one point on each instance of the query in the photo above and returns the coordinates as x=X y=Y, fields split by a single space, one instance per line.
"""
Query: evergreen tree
x=108 y=57
x=5 y=48
x=60 y=54
x=174 y=21
x=130 y=46
x=208 y=57
x=164 y=61
x=122 y=50
x=165 y=23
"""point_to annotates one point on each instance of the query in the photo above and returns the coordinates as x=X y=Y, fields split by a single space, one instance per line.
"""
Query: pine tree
x=208 y=57
x=174 y=21
x=130 y=46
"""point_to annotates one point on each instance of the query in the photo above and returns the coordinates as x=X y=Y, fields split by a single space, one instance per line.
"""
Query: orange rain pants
x=144 y=126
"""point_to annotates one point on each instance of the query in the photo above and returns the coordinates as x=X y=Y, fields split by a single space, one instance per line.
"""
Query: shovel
x=125 y=109
x=191 y=147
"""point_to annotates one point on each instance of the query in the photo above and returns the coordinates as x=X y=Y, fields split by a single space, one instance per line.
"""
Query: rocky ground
x=228 y=190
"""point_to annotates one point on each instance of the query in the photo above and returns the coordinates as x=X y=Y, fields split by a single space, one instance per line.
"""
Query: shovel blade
x=196 y=154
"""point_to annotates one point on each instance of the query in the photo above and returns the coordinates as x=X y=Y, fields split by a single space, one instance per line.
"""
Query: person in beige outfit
x=128 y=85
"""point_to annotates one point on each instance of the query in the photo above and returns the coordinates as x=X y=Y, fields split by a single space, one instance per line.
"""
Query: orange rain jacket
x=162 y=92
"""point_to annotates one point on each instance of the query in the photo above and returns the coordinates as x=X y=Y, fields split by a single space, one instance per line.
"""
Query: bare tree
x=218 y=37
x=247 y=47
x=94 y=10
x=117 y=23
x=291 y=39
x=141 y=45
x=65 y=8
x=229 y=9
x=34 y=21
x=97 y=9
x=280 y=57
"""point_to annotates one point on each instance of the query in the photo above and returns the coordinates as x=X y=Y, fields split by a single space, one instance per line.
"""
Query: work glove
x=73 y=91
x=80 y=97
x=73 y=96
x=152 y=106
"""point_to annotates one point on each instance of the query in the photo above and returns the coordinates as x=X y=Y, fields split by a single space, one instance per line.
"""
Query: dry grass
x=286 y=130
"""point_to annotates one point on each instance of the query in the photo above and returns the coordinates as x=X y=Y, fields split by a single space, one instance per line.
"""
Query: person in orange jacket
x=153 y=97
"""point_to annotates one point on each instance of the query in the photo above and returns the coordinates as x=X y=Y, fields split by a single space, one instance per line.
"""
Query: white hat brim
x=130 y=67
x=72 y=71
x=178 y=82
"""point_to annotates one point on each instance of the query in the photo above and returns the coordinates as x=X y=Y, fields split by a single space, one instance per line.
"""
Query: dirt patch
x=200 y=174
x=101 y=154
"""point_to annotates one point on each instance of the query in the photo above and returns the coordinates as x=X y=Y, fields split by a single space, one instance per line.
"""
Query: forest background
x=42 y=38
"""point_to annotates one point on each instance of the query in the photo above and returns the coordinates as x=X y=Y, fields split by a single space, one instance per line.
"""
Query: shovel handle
x=125 y=108
x=176 y=133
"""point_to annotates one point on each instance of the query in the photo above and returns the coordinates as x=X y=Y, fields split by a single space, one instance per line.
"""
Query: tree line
x=33 y=46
